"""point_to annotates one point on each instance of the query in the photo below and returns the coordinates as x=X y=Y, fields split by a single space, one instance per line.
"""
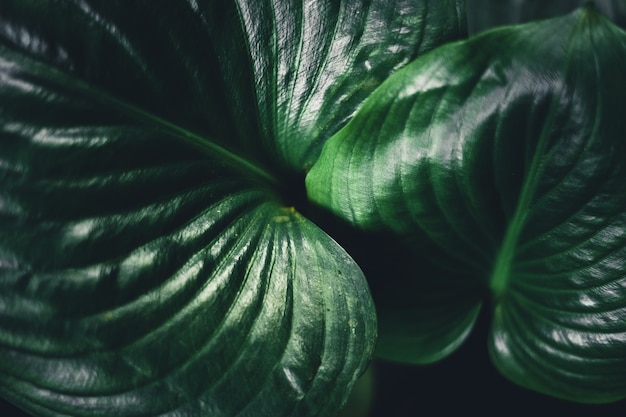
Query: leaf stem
x=502 y=268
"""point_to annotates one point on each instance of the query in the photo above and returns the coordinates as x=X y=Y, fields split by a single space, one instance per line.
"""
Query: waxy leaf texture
x=151 y=259
x=501 y=160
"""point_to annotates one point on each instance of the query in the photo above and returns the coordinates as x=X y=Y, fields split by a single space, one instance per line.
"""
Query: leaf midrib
x=204 y=144
x=501 y=272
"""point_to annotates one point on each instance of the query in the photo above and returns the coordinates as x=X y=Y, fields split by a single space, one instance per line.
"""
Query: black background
x=467 y=383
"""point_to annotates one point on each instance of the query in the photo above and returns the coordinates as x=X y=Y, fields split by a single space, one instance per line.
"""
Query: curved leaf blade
x=504 y=155
x=147 y=270
x=312 y=63
x=429 y=319
x=424 y=319
x=125 y=51
x=290 y=72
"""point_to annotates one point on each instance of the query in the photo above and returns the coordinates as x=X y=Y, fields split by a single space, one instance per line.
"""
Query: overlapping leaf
x=502 y=159
x=313 y=63
x=147 y=278
x=148 y=262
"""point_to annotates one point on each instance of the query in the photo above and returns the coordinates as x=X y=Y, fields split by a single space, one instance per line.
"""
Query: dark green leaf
x=272 y=78
x=501 y=160
x=311 y=64
x=143 y=276
x=486 y=14
x=148 y=261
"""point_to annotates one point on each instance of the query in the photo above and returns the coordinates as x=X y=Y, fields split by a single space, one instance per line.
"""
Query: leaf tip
x=590 y=12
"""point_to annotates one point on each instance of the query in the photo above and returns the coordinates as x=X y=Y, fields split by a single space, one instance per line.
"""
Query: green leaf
x=486 y=14
x=500 y=161
x=151 y=261
x=141 y=276
x=311 y=64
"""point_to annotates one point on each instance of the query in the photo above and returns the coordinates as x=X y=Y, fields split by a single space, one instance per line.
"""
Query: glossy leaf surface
x=502 y=158
x=148 y=262
x=141 y=276
x=311 y=64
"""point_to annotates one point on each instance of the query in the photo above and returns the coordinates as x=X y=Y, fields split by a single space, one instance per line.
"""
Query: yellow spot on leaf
x=286 y=214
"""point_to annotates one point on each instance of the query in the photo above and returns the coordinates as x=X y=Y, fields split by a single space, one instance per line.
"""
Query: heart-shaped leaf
x=145 y=276
x=501 y=160
x=151 y=262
